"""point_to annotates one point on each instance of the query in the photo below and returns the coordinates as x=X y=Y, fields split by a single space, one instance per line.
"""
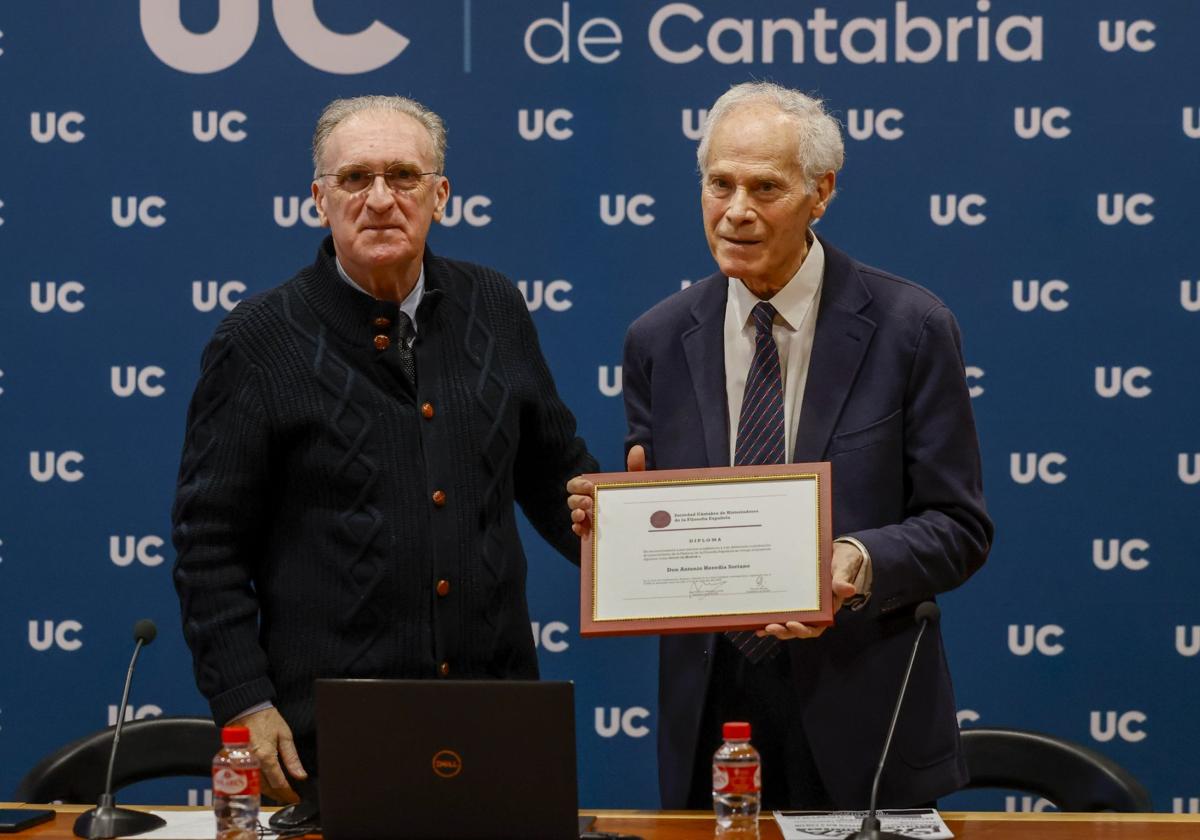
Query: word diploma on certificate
x=693 y=551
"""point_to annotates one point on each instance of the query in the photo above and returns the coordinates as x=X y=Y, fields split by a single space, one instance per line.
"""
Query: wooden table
x=697 y=825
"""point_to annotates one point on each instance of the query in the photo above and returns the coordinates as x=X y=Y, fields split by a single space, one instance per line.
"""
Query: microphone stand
x=870 y=830
x=106 y=820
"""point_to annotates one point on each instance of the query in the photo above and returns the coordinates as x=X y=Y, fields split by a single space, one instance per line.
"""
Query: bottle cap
x=235 y=735
x=736 y=731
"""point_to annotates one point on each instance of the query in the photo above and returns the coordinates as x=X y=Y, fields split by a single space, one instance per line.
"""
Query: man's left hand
x=847 y=560
x=579 y=492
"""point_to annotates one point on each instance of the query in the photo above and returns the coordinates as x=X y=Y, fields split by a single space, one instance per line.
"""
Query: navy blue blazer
x=886 y=403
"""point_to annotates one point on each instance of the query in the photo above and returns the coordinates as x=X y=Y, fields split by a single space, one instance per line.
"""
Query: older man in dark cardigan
x=354 y=447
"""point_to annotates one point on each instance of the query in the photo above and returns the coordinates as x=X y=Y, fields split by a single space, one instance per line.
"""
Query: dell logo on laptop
x=447 y=763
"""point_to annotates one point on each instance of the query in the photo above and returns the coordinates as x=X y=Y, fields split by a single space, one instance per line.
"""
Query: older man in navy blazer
x=851 y=365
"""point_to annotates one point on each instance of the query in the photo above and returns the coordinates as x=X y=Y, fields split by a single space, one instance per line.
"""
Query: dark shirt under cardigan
x=333 y=520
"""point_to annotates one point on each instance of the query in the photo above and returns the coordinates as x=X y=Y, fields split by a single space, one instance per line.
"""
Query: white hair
x=340 y=110
x=821 y=147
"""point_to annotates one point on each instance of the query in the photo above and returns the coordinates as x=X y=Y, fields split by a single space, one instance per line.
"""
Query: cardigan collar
x=358 y=318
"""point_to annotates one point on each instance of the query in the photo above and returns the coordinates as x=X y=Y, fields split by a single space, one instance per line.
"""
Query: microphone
x=926 y=612
x=106 y=820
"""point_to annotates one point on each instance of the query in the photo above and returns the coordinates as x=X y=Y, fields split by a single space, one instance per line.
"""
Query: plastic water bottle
x=236 y=785
x=737 y=783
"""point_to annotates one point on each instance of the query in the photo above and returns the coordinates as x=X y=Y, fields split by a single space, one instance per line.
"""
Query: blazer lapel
x=839 y=346
x=704 y=347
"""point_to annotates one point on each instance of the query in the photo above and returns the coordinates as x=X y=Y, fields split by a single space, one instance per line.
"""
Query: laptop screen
x=450 y=759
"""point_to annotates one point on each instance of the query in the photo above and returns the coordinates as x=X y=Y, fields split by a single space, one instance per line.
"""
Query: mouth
x=741 y=242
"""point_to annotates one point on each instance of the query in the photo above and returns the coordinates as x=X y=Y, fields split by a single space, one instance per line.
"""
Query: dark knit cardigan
x=309 y=542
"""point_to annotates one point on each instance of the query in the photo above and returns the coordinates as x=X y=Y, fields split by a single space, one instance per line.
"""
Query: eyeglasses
x=355 y=179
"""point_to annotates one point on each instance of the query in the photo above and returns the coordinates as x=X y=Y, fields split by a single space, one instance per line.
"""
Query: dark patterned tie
x=760 y=440
x=406 y=332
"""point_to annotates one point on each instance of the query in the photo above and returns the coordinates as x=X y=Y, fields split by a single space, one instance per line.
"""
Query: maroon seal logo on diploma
x=660 y=519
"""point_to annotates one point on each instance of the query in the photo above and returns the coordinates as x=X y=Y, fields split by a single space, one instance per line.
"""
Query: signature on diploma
x=705 y=587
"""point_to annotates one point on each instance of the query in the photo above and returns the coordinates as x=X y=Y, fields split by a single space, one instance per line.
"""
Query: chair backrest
x=1072 y=776
x=150 y=749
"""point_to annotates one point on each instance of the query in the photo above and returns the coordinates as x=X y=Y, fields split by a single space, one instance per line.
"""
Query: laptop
x=447 y=759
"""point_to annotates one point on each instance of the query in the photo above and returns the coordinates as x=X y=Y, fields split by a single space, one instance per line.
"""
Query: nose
x=379 y=196
x=741 y=208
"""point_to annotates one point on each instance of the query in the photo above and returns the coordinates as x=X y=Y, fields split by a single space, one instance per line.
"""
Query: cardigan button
x=427 y=410
x=382 y=323
x=382 y=342
x=444 y=669
x=443 y=588
x=439 y=498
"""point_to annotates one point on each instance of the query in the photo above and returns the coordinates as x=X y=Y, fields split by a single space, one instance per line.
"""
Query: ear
x=318 y=194
x=443 y=195
x=825 y=186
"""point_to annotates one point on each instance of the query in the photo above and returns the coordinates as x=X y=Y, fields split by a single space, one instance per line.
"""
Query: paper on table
x=184 y=825
x=925 y=823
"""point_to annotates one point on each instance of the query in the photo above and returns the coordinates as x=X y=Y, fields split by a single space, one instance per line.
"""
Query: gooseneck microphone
x=926 y=612
x=106 y=820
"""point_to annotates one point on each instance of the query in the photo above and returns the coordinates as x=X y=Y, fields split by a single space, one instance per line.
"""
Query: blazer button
x=427 y=410
x=382 y=342
x=439 y=498
x=382 y=323
x=444 y=669
x=443 y=588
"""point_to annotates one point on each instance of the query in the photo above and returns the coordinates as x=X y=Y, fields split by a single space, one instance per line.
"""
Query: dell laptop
x=447 y=759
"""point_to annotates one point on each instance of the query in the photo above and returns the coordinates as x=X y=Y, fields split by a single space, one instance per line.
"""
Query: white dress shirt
x=795 y=325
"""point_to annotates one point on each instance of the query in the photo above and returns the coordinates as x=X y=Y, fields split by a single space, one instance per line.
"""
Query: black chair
x=1072 y=776
x=154 y=748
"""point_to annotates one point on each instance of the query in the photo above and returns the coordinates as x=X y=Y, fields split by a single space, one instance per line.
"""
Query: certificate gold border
x=818 y=473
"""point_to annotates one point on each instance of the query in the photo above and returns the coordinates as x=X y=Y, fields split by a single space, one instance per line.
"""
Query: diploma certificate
x=711 y=549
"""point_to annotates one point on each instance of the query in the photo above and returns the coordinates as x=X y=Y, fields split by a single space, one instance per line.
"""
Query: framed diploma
x=693 y=551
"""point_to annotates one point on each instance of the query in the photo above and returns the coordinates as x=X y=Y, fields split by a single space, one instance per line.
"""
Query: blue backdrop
x=1034 y=163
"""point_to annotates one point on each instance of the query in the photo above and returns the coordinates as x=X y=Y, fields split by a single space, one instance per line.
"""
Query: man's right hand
x=271 y=740
x=580 y=490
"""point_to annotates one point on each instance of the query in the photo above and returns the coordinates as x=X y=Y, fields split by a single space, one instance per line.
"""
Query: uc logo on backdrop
x=862 y=125
x=1028 y=295
x=237 y=24
x=208 y=296
x=469 y=210
x=1022 y=641
x=206 y=127
x=616 y=209
x=1044 y=467
x=64 y=296
x=63 y=635
x=1116 y=208
x=613 y=721
x=131 y=380
x=44 y=466
x=127 y=211
x=539 y=293
x=143 y=549
x=1104 y=726
x=541 y=123
x=1127 y=553
x=947 y=209
x=44 y=128
x=549 y=636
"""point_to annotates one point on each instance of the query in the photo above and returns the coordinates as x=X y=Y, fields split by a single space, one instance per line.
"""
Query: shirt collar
x=409 y=305
x=793 y=301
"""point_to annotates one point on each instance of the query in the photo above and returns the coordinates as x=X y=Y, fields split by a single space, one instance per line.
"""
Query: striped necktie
x=760 y=440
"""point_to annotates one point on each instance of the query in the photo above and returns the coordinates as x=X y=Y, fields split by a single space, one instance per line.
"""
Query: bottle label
x=737 y=778
x=230 y=782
